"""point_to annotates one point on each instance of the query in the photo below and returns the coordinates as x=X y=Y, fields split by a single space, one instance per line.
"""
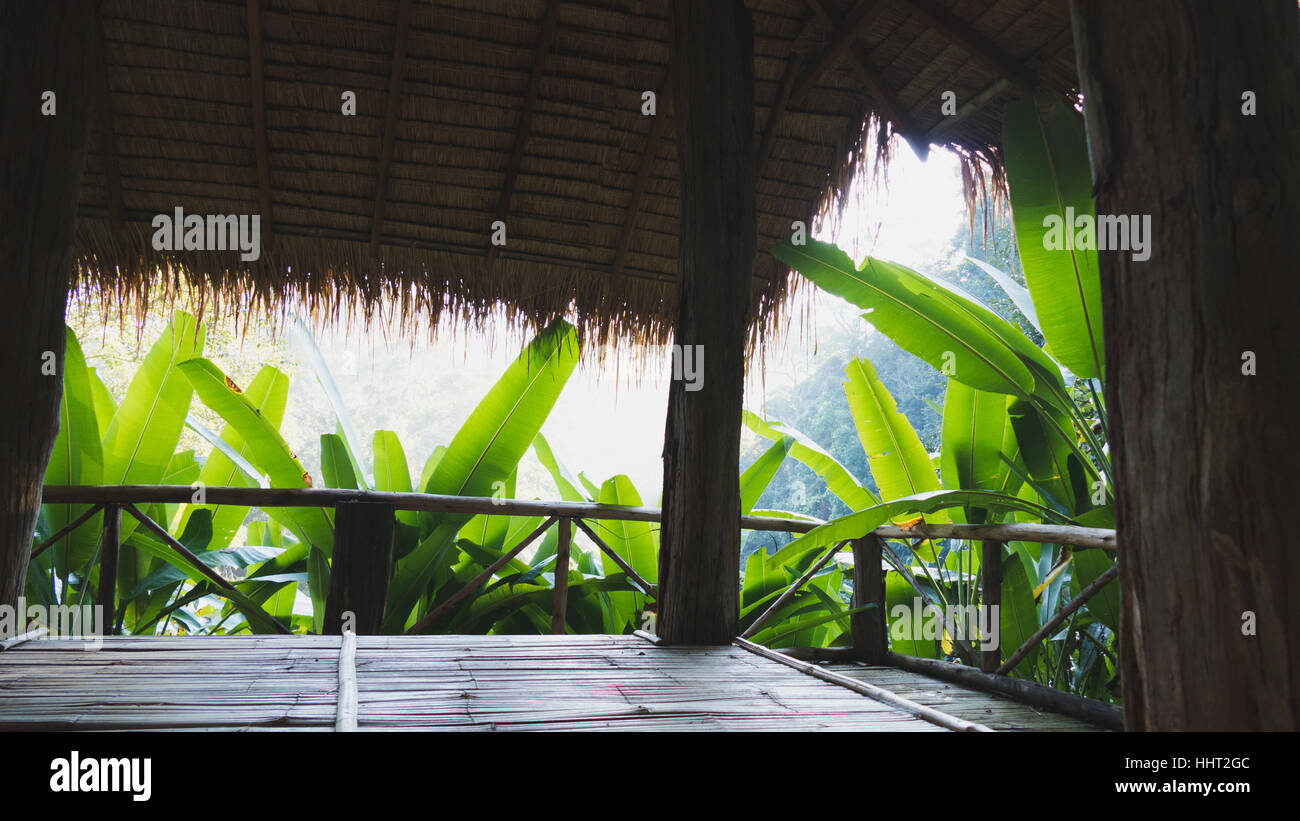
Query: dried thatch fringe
x=336 y=281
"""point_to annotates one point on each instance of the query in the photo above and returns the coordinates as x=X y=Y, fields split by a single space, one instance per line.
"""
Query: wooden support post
x=699 y=558
x=991 y=596
x=1207 y=621
x=361 y=566
x=110 y=544
x=868 y=627
x=562 y=577
x=43 y=52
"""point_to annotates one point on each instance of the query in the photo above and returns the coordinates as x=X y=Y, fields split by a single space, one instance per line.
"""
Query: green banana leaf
x=1017 y=616
x=976 y=435
x=266 y=449
x=335 y=465
x=77 y=459
x=391 y=471
x=565 y=482
x=1048 y=171
x=487 y=449
x=144 y=431
x=637 y=543
x=755 y=479
x=837 y=477
x=916 y=313
x=268 y=393
x=899 y=462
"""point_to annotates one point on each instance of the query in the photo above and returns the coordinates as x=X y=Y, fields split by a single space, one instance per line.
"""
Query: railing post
x=991 y=564
x=110 y=544
x=561 y=577
x=361 y=566
x=868 y=627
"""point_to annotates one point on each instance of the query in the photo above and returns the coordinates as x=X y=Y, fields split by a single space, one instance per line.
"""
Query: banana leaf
x=1048 y=171
x=487 y=449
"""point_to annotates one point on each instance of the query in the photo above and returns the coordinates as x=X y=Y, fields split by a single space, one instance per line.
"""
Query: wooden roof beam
x=853 y=26
x=108 y=144
x=257 y=78
x=774 y=116
x=648 y=154
x=961 y=33
x=526 y=118
x=1035 y=63
x=885 y=98
x=390 y=122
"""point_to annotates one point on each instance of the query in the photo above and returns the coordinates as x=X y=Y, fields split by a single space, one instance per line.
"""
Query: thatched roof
x=529 y=112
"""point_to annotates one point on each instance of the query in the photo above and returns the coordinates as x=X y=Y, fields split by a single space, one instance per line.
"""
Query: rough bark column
x=43 y=47
x=699 y=560
x=1201 y=450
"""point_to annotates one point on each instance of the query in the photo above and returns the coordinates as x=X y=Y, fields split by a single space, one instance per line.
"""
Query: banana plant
x=1023 y=428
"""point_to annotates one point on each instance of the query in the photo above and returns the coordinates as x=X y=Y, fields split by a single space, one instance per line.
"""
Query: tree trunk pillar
x=713 y=110
x=1202 y=349
x=44 y=47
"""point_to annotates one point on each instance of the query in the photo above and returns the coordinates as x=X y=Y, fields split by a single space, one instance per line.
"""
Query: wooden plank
x=526 y=118
x=361 y=566
x=929 y=714
x=346 y=720
x=21 y=638
x=1026 y=692
x=492 y=683
x=402 y=26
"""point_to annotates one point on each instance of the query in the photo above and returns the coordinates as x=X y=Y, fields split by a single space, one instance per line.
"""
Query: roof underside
x=525 y=112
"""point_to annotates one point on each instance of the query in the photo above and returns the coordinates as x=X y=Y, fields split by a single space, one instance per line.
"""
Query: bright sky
x=602 y=425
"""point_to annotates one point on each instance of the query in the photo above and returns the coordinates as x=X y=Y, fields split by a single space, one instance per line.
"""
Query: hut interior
x=622 y=164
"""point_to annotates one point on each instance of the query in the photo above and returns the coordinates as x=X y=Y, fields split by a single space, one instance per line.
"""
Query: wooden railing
x=363 y=553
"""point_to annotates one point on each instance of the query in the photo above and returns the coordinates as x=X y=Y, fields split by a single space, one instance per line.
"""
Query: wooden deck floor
x=456 y=683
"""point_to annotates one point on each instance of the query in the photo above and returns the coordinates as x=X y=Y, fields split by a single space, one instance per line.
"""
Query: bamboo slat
x=454 y=683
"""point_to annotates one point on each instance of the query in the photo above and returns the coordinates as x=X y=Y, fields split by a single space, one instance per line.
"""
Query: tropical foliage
x=279 y=558
x=1023 y=434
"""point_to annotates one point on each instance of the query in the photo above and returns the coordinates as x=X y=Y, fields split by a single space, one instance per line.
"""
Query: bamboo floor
x=459 y=683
